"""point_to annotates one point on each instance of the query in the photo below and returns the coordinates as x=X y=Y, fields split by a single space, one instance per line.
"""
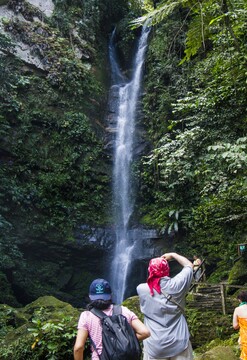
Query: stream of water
x=128 y=92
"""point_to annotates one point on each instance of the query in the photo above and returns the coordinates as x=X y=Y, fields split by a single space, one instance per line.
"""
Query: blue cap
x=100 y=290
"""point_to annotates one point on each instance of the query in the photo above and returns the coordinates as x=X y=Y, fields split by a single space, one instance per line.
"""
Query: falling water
x=127 y=98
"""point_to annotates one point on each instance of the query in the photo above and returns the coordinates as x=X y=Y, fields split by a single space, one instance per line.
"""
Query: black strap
x=170 y=298
x=154 y=320
x=94 y=346
x=98 y=313
x=117 y=310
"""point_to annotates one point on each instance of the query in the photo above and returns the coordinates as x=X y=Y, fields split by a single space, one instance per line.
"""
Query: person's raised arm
x=80 y=344
x=140 y=329
x=182 y=260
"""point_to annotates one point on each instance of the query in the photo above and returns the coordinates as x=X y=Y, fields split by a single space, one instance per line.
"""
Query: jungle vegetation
x=195 y=116
x=55 y=172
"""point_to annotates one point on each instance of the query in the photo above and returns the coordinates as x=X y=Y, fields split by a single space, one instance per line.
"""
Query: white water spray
x=128 y=95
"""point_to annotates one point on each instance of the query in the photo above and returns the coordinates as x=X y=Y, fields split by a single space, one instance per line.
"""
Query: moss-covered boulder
x=133 y=304
x=54 y=307
x=238 y=273
x=219 y=353
x=44 y=328
x=11 y=318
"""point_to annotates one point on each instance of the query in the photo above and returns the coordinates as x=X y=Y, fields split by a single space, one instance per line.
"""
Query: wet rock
x=219 y=353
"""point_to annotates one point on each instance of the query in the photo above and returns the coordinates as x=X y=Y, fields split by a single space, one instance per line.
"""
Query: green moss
x=11 y=318
x=134 y=305
x=206 y=326
x=218 y=353
x=49 y=328
x=238 y=273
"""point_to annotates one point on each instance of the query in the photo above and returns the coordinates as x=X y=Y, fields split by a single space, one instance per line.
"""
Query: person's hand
x=168 y=256
x=182 y=260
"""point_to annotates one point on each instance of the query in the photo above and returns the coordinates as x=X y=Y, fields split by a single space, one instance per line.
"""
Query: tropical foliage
x=55 y=170
x=54 y=173
x=196 y=116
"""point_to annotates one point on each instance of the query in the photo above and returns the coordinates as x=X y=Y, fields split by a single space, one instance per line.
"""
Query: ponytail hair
x=99 y=304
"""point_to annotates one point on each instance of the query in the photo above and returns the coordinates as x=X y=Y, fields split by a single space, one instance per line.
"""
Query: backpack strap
x=94 y=346
x=171 y=298
x=117 y=310
x=100 y=315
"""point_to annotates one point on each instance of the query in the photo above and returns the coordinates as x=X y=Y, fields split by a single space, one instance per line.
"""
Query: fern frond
x=157 y=15
x=194 y=38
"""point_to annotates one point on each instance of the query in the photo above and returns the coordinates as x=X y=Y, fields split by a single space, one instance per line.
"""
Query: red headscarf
x=158 y=268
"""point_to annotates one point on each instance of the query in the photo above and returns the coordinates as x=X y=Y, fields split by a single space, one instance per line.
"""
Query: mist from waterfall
x=127 y=94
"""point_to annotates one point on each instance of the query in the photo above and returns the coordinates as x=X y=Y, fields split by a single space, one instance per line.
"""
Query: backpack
x=119 y=340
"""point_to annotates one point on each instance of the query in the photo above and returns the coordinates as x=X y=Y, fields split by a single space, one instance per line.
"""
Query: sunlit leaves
x=157 y=15
x=207 y=19
x=200 y=158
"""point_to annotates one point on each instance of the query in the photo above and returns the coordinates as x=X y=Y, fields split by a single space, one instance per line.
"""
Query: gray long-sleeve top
x=168 y=326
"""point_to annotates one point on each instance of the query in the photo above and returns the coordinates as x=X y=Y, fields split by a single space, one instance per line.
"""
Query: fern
x=207 y=18
x=157 y=15
x=194 y=39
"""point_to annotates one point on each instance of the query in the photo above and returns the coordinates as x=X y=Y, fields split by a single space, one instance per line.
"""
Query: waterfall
x=127 y=95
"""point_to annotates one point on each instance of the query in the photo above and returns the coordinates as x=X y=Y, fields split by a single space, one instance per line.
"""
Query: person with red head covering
x=162 y=301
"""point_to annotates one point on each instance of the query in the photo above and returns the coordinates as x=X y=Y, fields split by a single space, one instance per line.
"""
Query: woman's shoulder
x=129 y=314
x=85 y=313
x=242 y=311
x=142 y=288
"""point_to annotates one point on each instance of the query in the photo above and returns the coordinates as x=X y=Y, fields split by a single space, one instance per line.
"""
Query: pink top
x=91 y=323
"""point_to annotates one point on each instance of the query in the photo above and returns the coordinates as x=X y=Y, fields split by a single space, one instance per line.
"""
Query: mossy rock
x=206 y=326
x=133 y=304
x=32 y=331
x=219 y=353
x=47 y=307
x=238 y=273
x=52 y=305
x=11 y=317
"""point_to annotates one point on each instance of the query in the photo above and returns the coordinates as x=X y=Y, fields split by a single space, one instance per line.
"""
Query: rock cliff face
x=44 y=261
x=24 y=13
x=56 y=153
x=65 y=270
